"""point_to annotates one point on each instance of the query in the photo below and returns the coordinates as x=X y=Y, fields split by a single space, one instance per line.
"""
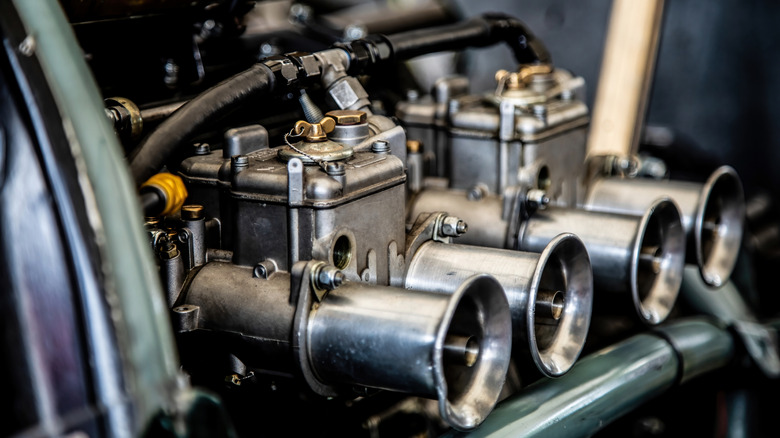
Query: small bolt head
x=192 y=212
x=335 y=169
x=202 y=148
x=451 y=226
x=347 y=117
x=240 y=160
x=380 y=147
x=329 y=277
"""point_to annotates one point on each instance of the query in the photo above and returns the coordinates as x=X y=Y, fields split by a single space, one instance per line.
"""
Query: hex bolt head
x=451 y=226
x=347 y=117
x=329 y=277
x=536 y=198
x=192 y=212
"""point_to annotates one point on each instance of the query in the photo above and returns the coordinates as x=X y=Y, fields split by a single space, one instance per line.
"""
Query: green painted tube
x=610 y=383
x=132 y=283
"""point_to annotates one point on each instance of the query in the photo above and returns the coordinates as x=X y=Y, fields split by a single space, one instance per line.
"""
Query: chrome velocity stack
x=550 y=294
x=454 y=347
x=712 y=213
x=640 y=257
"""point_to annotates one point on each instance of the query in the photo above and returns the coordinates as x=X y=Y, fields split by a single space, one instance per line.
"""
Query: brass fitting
x=519 y=79
x=314 y=132
x=413 y=146
x=172 y=188
x=134 y=121
x=348 y=117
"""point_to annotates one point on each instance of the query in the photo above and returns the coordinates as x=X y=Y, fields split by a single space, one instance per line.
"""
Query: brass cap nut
x=347 y=117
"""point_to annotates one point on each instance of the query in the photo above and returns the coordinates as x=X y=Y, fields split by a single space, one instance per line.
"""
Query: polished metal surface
x=610 y=383
x=550 y=294
x=404 y=340
x=637 y=260
x=713 y=214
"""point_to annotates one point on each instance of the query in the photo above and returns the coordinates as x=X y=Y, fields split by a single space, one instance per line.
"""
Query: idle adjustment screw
x=536 y=198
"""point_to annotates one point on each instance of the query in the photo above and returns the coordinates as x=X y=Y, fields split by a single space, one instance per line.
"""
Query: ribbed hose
x=150 y=155
x=477 y=32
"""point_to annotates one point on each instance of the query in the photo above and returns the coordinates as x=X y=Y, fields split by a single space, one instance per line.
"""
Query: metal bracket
x=302 y=294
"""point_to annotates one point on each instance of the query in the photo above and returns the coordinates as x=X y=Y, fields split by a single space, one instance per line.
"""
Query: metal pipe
x=713 y=214
x=612 y=382
x=550 y=294
x=626 y=74
x=403 y=340
x=637 y=259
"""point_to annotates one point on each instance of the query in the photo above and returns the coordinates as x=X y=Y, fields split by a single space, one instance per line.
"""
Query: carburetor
x=316 y=228
x=512 y=164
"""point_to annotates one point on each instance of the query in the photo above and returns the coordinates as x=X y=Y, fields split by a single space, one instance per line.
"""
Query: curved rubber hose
x=150 y=155
x=477 y=32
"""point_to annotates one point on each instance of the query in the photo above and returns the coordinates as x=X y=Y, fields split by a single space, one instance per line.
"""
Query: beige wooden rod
x=626 y=74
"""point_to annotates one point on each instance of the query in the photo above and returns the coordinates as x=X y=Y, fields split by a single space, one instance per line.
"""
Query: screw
x=540 y=111
x=27 y=46
x=451 y=226
x=335 y=169
x=380 y=147
x=192 y=212
x=202 y=148
x=476 y=193
x=240 y=162
x=536 y=198
x=354 y=32
x=329 y=278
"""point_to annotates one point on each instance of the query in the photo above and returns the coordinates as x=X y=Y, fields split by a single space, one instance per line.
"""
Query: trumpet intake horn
x=712 y=213
x=550 y=294
x=636 y=257
x=453 y=347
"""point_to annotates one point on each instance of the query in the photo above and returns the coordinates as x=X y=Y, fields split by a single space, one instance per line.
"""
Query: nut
x=451 y=226
x=348 y=117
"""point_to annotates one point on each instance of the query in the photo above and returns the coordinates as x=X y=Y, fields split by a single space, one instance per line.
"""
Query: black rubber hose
x=150 y=155
x=477 y=32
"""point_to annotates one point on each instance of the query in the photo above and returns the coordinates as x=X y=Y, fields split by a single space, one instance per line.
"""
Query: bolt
x=380 y=147
x=27 y=46
x=354 y=32
x=567 y=95
x=335 y=169
x=240 y=162
x=412 y=95
x=171 y=73
x=168 y=250
x=476 y=193
x=536 y=198
x=453 y=106
x=540 y=111
x=328 y=277
x=347 y=117
x=451 y=226
x=413 y=146
x=202 y=148
x=192 y=212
